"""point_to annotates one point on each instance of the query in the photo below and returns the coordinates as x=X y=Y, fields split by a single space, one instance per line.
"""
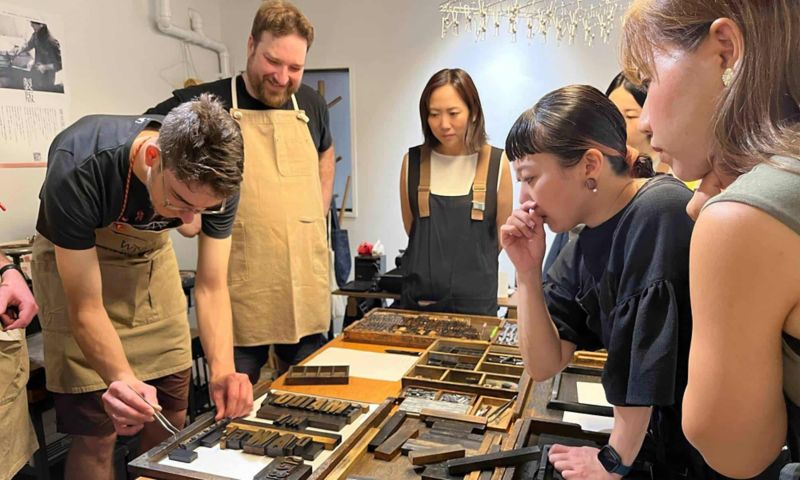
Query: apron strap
x=479 y=183
x=300 y=114
x=234 y=100
x=424 y=187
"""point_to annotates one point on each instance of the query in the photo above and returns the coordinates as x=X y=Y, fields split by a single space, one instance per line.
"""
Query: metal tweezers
x=496 y=414
x=160 y=418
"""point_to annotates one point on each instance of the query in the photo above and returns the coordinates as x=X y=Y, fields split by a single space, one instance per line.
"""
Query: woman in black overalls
x=455 y=193
x=622 y=285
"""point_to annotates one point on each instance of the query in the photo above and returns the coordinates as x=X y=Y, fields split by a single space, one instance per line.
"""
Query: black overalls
x=451 y=258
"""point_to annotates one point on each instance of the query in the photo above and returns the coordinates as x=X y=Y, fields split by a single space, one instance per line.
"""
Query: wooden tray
x=406 y=328
x=318 y=375
x=482 y=379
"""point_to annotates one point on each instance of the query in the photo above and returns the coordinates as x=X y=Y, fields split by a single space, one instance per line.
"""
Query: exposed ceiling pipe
x=195 y=36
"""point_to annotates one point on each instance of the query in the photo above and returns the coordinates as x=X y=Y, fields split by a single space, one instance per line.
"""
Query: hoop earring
x=727 y=77
x=591 y=184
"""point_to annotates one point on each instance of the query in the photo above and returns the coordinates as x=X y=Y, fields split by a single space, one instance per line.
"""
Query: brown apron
x=17 y=440
x=279 y=265
x=143 y=296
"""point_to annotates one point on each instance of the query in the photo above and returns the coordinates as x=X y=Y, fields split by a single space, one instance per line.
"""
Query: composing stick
x=388 y=428
x=466 y=465
x=436 y=455
x=390 y=449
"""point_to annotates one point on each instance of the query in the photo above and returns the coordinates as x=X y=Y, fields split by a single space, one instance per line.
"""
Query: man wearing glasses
x=113 y=311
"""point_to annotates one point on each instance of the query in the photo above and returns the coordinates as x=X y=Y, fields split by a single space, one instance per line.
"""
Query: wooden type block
x=449 y=440
x=212 y=438
x=492 y=460
x=390 y=449
x=183 y=455
x=438 y=472
x=415 y=444
x=389 y=427
x=235 y=440
x=328 y=440
x=436 y=455
x=256 y=443
x=342 y=408
x=431 y=416
x=296 y=402
x=315 y=420
x=279 y=446
x=473 y=437
x=281 y=400
x=459 y=426
x=314 y=407
x=301 y=445
x=312 y=451
x=284 y=468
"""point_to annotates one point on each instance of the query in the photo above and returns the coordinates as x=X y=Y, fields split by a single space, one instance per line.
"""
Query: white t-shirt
x=452 y=175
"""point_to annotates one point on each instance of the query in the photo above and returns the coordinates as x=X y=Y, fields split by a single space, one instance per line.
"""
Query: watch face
x=609 y=458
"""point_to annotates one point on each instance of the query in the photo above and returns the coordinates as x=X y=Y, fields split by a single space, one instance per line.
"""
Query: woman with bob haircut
x=455 y=192
x=622 y=285
x=723 y=106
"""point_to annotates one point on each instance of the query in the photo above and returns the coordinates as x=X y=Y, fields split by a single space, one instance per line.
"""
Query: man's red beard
x=275 y=100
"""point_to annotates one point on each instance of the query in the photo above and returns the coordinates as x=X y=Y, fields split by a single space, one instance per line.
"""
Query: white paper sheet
x=388 y=367
x=592 y=394
x=237 y=464
x=590 y=423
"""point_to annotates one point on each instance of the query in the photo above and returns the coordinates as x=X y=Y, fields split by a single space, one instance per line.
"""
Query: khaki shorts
x=83 y=413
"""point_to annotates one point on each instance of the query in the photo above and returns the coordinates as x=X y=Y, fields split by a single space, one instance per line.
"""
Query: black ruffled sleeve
x=643 y=354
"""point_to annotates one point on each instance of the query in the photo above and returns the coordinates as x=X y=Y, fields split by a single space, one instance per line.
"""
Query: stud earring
x=727 y=77
x=591 y=184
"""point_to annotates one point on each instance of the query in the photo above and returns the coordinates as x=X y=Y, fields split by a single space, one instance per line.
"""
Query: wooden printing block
x=414 y=444
x=490 y=444
x=389 y=427
x=301 y=445
x=315 y=420
x=297 y=402
x=331 y=406
x=390 y=449
x=212 y=438
x=472 y=437
x=236 y=439
x=278 y=447
x=255 y=444
x=343 y=408
x=312 y=451
x=284 y=468
x=459 y=426
x=306 y=403
x=438 y=472
x=431 y=416
x=447 y=440
x=182 y=454
x=465 y=465
x=282 y=400
x=436 y=455
x=314 y=407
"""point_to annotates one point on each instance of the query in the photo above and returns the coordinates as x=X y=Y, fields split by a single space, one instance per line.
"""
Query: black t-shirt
x=307 y=99
x=84 y=189
x=624 y=286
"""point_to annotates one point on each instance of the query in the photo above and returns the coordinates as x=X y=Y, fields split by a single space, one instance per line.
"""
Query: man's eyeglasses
x=183 y=208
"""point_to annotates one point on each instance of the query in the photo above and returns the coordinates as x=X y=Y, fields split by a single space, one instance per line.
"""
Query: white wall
x=116 y=62
x=116 y=59
x=392 y=49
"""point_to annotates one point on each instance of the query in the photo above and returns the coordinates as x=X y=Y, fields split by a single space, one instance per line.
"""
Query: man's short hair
x=281 y=18
x=203 y=145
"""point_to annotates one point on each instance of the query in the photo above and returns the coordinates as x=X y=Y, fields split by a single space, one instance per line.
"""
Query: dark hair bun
x=642 y=167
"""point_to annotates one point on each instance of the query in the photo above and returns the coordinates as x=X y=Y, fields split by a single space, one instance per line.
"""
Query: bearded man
x=279 y=268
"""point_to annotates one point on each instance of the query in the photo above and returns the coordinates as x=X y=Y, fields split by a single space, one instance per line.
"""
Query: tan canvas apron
x=142 y=294
x=17 y=440
x=278 y=272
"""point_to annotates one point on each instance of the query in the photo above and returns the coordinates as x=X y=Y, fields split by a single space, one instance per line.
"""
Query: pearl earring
x=591 y=184
x=727 y=77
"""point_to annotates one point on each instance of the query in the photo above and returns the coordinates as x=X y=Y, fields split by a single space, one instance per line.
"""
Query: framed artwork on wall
x=335 y=86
